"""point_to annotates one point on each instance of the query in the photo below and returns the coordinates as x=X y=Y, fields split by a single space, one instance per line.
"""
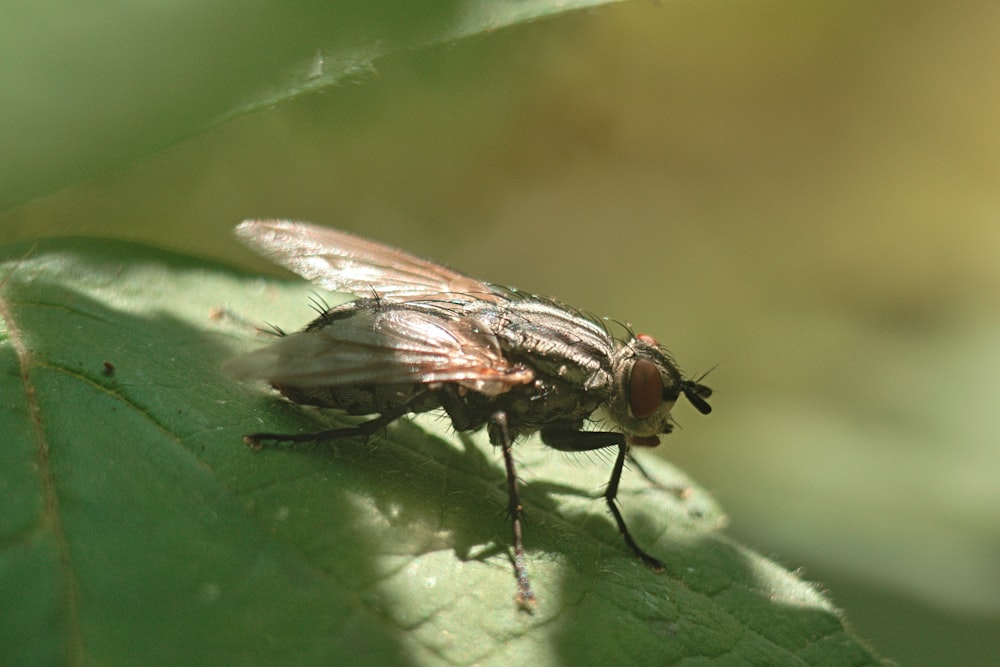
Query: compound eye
x=645 y=389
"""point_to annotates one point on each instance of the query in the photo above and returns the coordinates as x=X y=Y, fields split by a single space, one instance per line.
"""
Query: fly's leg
x=678 y=491
x=255 y=440
x=609 y=495
x=500 y=437
x=585 y=441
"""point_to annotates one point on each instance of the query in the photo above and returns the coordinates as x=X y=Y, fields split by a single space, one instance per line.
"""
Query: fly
x=423 y=337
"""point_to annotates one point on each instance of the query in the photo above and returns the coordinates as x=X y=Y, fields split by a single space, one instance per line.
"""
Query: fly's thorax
x=646 y=386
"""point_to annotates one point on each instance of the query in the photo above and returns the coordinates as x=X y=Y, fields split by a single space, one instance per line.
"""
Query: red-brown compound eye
x=645 y=389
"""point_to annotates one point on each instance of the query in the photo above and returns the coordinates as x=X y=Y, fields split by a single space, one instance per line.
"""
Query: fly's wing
x=383 y=343
x=343 y=262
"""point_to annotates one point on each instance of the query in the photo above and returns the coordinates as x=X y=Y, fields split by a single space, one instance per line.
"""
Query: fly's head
x=647 y=384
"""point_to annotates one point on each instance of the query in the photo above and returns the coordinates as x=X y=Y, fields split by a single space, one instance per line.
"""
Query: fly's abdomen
x=364 y=400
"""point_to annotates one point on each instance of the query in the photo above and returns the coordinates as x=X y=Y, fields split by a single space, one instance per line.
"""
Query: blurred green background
x=806 y=195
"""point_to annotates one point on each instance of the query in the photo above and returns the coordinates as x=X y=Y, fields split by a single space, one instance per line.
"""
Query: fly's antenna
x=696 y=393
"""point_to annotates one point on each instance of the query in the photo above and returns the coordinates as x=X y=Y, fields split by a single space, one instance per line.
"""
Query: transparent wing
x=384 y=343
x=343 y=262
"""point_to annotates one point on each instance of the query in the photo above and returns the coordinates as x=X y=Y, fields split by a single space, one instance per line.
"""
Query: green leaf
x=136 y=527
x=90 y=87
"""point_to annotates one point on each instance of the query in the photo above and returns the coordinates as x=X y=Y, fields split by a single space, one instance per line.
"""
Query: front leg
x=568 y=440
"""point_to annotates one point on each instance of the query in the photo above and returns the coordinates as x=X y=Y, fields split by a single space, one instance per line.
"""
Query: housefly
x=420 y=337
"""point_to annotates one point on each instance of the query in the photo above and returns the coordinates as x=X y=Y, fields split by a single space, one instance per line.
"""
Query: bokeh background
x=802 y=197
